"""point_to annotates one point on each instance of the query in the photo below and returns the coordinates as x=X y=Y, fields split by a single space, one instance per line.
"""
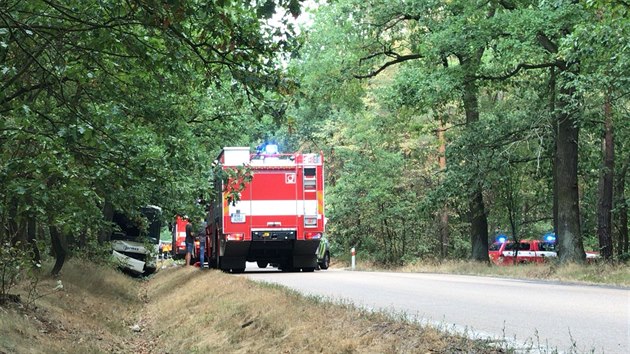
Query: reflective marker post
x=352 y=251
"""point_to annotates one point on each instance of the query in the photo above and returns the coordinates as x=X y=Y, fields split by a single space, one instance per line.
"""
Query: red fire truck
x=178 y=243
x=279 y=217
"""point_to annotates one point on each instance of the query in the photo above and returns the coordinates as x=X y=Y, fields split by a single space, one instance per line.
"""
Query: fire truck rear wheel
x=325 y=262
x=262 y=264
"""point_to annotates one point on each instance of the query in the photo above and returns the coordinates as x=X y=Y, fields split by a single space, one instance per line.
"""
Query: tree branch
x=515 y=71
x=398 y=59
x=546 y=43
x=508 y=5
x=28 y=89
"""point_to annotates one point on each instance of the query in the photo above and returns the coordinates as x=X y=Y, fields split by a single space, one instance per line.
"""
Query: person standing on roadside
x=190 y=241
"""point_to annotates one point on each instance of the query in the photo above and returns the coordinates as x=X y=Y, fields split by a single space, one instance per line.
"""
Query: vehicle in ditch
x=135 y=239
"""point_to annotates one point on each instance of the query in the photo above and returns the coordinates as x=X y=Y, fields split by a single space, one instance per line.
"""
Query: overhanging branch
x=516 y=70
x=546 y=43
x=397 y=59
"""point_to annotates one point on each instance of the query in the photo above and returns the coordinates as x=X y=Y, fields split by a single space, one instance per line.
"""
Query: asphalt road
x=536 y=315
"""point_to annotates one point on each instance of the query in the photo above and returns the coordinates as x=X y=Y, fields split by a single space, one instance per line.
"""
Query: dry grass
x=598 y=273
x=225 y=313
x=183 y=309
x=90 y=314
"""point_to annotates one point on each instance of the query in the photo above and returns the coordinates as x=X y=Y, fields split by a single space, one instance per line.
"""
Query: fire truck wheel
x=325 y=262
x=262 y=264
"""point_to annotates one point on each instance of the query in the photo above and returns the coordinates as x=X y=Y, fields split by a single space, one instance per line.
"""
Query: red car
x=526 y=251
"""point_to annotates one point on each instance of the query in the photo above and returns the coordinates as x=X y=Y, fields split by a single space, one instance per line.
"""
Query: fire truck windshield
x=494 y=247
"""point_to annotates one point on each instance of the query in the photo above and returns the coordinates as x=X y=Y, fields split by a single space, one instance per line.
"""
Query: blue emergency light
x=550 y=237
x=501 y=238
x=267 y=149
x=271 y=149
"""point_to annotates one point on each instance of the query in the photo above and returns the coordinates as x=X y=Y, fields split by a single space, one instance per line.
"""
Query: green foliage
x=234 y=180
x=93 y=251
x=128 y=102
x=15 y=265
x=386 y=190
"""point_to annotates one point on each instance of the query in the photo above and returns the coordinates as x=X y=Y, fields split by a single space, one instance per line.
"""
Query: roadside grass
x=182 y=309
x=89 y=314
x=227 y=313
x=600 y=273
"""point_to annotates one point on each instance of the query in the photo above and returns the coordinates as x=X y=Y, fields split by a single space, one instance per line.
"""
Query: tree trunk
x=444 y=233
x=13 y=227
x=477 y=213
x=570 y=248
x=478 y=228
x=621 y=209
x=554 y=170
x=604 y=211
x=443 y=222
x=58 y=244
x=31 y=231
x=108 y=216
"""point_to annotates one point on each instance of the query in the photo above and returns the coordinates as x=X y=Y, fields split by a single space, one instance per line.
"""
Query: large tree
x=507 y=79
x=119 y=103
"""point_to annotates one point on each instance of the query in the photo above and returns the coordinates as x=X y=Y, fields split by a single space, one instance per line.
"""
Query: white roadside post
x=352 y=251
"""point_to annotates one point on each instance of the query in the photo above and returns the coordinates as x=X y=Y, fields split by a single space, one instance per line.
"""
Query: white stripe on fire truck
x=275 y=207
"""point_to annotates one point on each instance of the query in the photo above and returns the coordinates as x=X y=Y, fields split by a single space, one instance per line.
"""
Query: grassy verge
x=225 y=313
x=183 y=309
x=593 y=274
x=91 y=313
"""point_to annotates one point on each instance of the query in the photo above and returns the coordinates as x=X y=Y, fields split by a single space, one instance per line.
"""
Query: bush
x=15 y=263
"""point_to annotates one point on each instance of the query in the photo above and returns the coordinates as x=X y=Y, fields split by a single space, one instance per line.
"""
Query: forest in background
x=442 y=122
x=446 y=123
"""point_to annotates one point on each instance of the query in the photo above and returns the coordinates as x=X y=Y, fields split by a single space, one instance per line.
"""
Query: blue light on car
x=550 y=237
x=501 y=238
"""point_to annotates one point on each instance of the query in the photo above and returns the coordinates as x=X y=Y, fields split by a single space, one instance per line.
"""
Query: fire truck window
x=546 y=246
x=309 y=172
x=524 y=246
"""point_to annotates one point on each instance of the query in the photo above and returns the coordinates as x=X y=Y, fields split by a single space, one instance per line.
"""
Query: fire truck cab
x=279 y=218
